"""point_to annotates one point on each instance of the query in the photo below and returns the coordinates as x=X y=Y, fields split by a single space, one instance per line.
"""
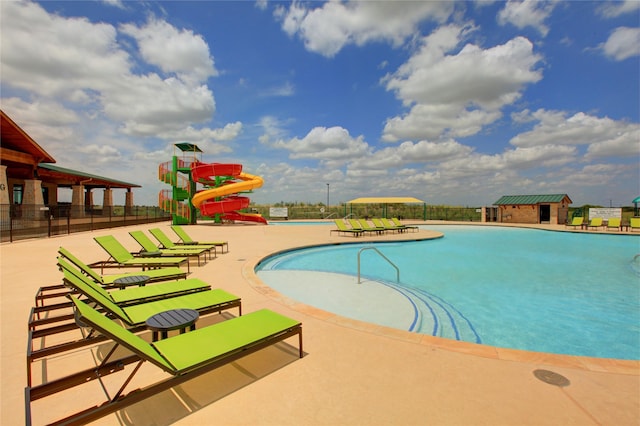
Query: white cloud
x=411 y=153
x=114 y=3
x=174 y=51
x=623 y=43
x=604 y=136
x=457 y=94
x=612 y=9
x=527 y=13
x=43 y=54
x=284 y=90
x=333 y=144
x=327 y=29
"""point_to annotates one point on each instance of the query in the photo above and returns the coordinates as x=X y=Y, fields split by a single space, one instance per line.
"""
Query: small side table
x=174 y=319
x=139 y=280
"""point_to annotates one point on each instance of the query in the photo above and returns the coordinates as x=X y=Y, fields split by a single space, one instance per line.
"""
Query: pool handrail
x=383 y=256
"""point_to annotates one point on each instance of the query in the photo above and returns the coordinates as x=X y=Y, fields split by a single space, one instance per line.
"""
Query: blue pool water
x=557 y=292
x=299 y=222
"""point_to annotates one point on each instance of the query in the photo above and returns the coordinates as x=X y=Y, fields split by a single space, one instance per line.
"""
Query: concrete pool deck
x=353 y=372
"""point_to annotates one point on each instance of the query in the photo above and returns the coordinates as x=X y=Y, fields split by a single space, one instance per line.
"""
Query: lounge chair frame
x=342 y=229
x=577 y=221
x=120 y=399
x=595 y=223
x=120 y=257
x=166 y=243
x=161 y=274
x=148 y=246
x=187 y=240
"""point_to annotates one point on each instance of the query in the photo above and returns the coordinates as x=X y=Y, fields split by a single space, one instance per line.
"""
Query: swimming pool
x=300 y=222
x=556 y=292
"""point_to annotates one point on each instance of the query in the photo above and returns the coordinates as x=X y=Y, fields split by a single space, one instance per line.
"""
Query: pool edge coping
x=593 y=364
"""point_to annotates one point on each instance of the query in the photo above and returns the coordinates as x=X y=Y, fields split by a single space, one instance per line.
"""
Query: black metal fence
x=19 y=221
x=402 y=211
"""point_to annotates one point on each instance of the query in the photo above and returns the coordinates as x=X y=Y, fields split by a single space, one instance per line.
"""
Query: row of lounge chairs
x=598 y=222
x=359 y=227
x=89 y=309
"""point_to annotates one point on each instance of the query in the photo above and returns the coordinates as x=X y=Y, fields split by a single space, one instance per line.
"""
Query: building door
x=545 y=213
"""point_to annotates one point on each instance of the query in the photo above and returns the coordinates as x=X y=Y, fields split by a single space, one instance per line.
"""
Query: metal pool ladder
x=383 y=256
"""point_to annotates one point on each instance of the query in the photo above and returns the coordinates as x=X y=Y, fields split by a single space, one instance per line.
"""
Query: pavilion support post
x=107 y=202
x=33 y=201
x=4 y=198
x=77 y=201
x=128 y=203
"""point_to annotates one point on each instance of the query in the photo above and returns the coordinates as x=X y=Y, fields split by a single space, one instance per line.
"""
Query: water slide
x=223 y=199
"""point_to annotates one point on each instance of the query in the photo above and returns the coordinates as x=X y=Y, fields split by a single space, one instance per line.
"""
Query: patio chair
x=136 y=295
x=213 y=300
x=187 y=240
x=576 y=222
x=120 y=257
x=364 y=225
x=149 y=247
x=342 y=229
x=634 y=223
x=387 y=226
x=596 y=223
x=166 y=243
x=183 y=356
x=395 y=221
x=107 y=281
x=614 y=223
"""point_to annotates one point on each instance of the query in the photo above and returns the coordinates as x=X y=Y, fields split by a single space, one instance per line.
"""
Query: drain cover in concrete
x=551 y=378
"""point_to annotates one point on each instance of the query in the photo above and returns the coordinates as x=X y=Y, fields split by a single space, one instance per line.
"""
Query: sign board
x=279 y=212
x=605 y=213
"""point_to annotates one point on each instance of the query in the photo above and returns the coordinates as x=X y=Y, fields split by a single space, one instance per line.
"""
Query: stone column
x=5 y=206
x=33 y=200
x=107 y=202
x=128 y=203
x=77 y=201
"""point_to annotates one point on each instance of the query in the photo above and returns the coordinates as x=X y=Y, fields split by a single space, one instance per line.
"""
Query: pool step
x=435 y=316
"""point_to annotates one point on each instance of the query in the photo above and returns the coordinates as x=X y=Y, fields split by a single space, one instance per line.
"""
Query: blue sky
x=453 y=103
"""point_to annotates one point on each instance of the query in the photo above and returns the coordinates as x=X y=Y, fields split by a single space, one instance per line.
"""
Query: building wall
x=519 y=214
x=530 y=213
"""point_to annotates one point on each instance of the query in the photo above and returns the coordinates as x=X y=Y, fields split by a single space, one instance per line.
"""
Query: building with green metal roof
x=28 y=177
x=543 y=208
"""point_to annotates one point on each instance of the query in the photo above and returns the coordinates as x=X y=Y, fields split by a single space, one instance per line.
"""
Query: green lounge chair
x=183 y=356
x=364 y=225
x=387 y=224
x=187 y=240
x=342 y=229
x=397 y=222
x=168 y=244
x=614 y=223
x=634 y=223
x=576 y=221
x=214 y=300
x=138 y=294
x=120 y=257
x=162 y=274
x=149 y=247
x=388 y=227
x=596 y=223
